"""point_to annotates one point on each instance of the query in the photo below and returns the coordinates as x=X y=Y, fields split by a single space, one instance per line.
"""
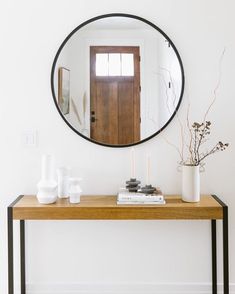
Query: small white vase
x=191 y=183
x=75 y=190
x=47 y=192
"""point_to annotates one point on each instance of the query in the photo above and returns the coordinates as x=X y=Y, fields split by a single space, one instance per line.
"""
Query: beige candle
x=132 y=163
x=148 y=170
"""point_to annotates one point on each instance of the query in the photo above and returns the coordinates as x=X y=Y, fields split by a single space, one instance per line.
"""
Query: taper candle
x=47 y=167
x=148 y=170
x=132 y=163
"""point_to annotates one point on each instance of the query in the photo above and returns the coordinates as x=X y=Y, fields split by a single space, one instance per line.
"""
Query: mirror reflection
x=118 y=81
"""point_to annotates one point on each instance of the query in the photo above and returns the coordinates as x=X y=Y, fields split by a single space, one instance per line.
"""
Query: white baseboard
x=124 y=288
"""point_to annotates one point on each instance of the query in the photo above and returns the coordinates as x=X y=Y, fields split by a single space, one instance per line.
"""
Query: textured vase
x=191 y=183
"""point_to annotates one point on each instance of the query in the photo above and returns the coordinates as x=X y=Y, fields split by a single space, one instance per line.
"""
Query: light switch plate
x=29 y=138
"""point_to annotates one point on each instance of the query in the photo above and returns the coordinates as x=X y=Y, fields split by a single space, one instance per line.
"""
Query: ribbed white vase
x=191 y=183
x=63 y=181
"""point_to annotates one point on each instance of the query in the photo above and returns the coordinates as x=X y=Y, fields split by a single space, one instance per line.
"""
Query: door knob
x=93 y=119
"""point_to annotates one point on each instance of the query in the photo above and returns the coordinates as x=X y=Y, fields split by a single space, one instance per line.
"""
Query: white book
x=142 y=202
x=125 y=196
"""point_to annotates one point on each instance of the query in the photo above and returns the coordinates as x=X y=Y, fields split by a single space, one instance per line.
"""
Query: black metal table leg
x=214 y=256
x=225 y=249
x=10 y=251
x=225 y=245
x=10 y=246
x=22 y=256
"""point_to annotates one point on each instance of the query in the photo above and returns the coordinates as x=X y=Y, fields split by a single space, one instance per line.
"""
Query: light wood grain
x=106 y=208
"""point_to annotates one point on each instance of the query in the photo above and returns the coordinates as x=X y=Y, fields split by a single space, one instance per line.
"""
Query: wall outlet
x=29 y=138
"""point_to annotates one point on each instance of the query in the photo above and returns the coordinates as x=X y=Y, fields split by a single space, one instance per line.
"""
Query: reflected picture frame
x=64 y=90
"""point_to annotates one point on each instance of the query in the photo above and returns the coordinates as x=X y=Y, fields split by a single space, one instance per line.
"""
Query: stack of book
x=139 y=198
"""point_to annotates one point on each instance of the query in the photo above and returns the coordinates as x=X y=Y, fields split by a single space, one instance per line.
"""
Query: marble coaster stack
x=149 y=189
x=132 y=185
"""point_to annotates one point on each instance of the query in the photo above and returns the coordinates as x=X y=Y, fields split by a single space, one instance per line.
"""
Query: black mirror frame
x=117 y=15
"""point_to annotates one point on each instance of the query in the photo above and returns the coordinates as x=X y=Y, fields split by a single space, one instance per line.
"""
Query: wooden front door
x=115 y=94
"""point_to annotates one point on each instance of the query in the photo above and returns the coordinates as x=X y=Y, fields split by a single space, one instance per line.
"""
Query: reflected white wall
x=169 y=80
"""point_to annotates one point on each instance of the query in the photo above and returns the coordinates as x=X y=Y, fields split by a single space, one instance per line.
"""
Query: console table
x=105 y=208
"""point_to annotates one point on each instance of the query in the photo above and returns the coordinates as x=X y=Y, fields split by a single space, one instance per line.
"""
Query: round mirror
x=117 y=80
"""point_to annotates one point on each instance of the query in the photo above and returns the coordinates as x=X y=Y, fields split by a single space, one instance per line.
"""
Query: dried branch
x=200 y=136
x=174 y=146
x=218 y=147
x=168 y=107
x=198 y=132
x=190 y=135
x=166 y=92
x=217 y=85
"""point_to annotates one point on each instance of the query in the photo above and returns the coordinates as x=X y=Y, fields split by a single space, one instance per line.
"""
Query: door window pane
x=102 y=64
x=127 y=64
x=114 y=64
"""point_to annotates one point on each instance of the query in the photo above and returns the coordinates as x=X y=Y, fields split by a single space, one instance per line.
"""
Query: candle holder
x=133 y=185
x=147 y=189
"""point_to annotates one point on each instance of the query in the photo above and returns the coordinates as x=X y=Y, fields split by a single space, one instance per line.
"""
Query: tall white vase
x=191 y=183
x=63 y=181
x=47 y=186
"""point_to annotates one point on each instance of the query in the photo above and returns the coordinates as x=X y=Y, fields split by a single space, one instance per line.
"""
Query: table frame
x=213 y=246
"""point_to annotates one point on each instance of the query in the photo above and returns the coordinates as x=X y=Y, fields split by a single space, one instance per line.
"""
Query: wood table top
x=105 y=207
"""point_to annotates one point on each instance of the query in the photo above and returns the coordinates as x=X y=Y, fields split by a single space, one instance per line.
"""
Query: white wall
x=133 y=255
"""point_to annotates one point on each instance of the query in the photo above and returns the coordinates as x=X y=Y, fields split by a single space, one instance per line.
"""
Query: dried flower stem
x=198 y=132
x=217 y=85
x=190 y=134
x=174 y=104
x=218 y=147
x=174 y=146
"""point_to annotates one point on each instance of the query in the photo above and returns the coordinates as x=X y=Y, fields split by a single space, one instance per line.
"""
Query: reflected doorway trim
x=106 y=16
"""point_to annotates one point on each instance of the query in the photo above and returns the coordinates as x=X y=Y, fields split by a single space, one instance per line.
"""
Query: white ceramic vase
x=191 y=183
x=75 y=190
x=47 y=186
x=63 y=182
